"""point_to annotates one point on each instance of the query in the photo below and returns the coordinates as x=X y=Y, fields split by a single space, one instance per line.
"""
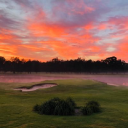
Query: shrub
x=71 y=102
x=91 y=107
x=36 y=108
x=87 y=110
x=56 y=106
x=49 y=106
x=94 y=105
x=64 y=108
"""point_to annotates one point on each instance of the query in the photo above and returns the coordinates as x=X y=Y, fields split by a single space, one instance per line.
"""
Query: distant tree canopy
x=110 y=64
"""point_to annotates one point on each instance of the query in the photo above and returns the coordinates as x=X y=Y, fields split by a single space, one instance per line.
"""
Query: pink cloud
x=66 y=29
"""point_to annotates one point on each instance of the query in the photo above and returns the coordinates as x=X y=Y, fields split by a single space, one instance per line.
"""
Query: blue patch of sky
x=12 y=10
x=108 y=41
x=116 y=8
x=106 y=36
x=46 y=5
x=111 y=49
x=104 y=33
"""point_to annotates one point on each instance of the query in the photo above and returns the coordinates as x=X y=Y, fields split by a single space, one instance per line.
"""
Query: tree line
x=79 y=65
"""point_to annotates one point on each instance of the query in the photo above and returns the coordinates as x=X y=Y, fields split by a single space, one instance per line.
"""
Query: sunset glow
x=67 y=29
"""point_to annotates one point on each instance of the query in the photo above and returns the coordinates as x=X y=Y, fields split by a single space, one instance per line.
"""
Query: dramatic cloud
x=40 y=29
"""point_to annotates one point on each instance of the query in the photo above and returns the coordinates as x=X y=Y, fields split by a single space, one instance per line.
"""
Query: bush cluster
x=91 y=107
x=56 y=106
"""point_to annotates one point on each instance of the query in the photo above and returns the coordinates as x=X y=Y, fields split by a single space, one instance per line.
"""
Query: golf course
x=16 y=106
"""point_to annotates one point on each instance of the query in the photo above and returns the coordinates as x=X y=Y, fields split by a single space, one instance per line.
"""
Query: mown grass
x=16 y=107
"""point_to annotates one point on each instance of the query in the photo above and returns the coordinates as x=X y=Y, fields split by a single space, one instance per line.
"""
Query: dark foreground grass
x=16 y=107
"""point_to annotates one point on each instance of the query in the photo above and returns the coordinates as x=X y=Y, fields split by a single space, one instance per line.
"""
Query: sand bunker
x=112 y=84
x=35 y=87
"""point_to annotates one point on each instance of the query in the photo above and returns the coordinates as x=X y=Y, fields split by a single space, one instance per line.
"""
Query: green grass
x=16 y=107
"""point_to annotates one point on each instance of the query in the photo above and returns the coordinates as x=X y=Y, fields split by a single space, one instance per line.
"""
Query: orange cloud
x=87 y=36
x=7 y=51
x=95 y=49
x=42 y=29
x=102 y=26
x=67 y=32
x=89 y=26
x=64 y=50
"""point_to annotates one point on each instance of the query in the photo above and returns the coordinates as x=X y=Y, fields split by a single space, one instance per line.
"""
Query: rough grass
x=16 y=107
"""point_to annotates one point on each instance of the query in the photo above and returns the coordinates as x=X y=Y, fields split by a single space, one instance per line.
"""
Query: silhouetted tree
x=79 y=65
x=2 y=61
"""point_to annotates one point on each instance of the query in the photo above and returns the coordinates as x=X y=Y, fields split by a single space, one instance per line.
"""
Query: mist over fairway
x=117 y=80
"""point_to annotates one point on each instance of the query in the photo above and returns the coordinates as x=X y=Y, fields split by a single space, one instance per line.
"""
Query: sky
x=67 y=29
